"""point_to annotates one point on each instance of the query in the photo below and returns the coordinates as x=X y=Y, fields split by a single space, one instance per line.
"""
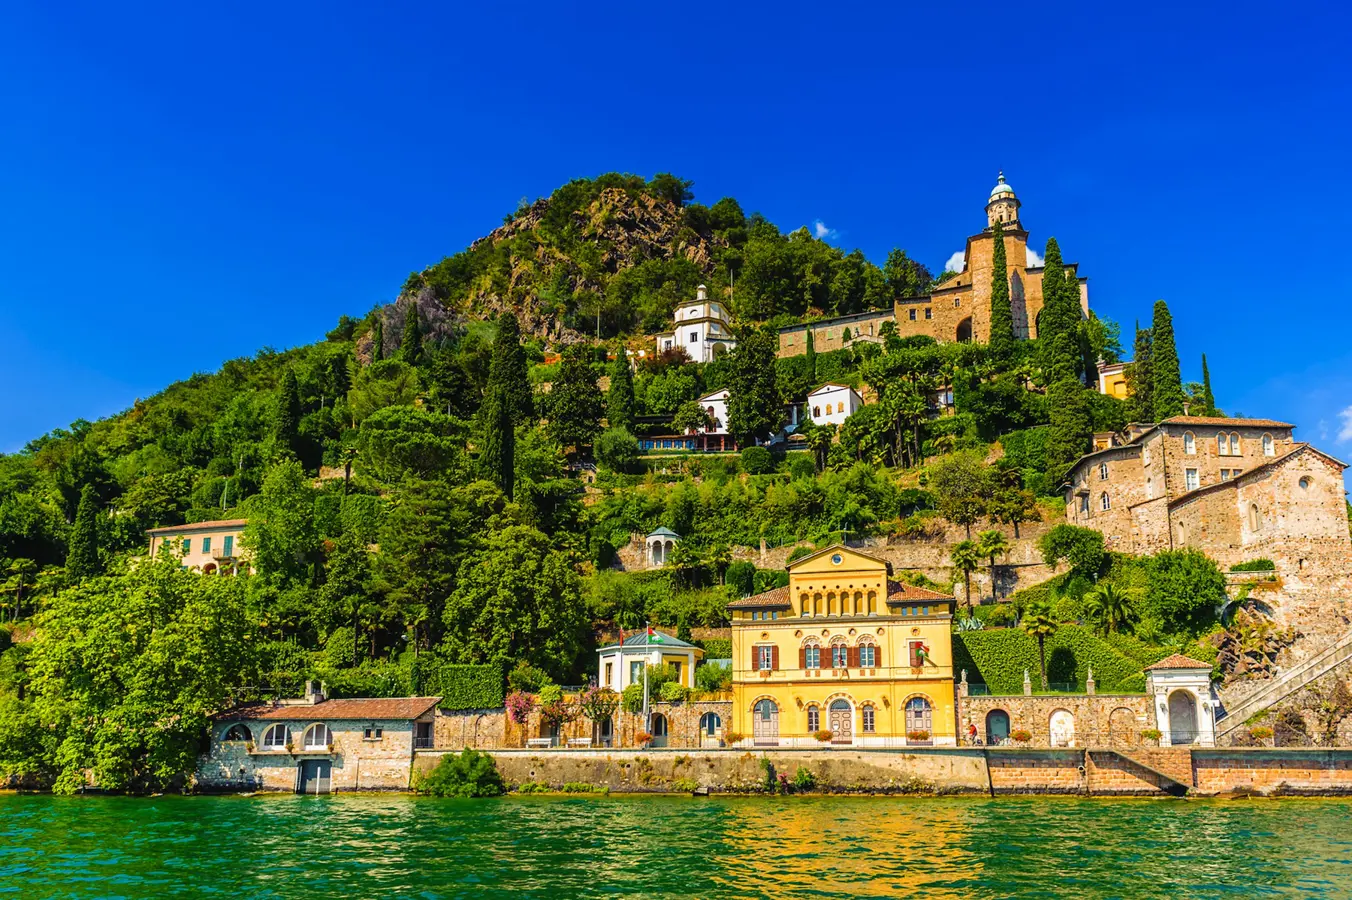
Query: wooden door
x=841 y=720
x=765 y=722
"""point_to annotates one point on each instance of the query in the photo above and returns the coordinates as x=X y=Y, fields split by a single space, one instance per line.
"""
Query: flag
x=653 y=636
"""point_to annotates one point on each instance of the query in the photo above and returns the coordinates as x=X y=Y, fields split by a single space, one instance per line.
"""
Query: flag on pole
x=653 y=636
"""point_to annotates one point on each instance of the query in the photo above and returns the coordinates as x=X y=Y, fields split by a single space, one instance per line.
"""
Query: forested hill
x=626 y=251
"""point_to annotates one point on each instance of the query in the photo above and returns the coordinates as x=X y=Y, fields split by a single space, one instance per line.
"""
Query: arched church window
x=1189 y=443
x=1268 y=448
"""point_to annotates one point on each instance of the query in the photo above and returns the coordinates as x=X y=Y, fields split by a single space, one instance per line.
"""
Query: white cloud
x=1034 y=261
x=823 y=232
x=956 y=262
x=1345 y=429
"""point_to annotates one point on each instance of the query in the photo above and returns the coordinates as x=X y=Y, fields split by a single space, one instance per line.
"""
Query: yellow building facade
x=843 y=649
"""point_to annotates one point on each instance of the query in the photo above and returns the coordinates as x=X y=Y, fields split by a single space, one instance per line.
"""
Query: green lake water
x=548 y=847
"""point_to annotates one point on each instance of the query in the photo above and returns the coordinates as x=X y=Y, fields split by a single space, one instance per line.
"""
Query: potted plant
x=825 y=735
x=643 y=738
x=1151 y=736
x=732 y=737
x=290 y=747
x=1019 y=736
x=918 y=736
x=248 y=746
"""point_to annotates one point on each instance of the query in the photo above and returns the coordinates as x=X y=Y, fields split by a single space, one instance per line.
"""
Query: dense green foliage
x=1001 y=338
x=1166 y=381
x=465 y=774
x=999 y=658
x=460 y=686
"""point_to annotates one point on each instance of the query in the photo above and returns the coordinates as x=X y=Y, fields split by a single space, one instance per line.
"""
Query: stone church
x=958 y=308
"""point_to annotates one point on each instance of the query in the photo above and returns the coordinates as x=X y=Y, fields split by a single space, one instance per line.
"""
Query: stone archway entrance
x=1182 y=718
x=964 y=334
x=841 y=718
x=997 y=727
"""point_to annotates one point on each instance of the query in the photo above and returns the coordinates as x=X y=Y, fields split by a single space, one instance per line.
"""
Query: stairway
x=1171 y=765
x=1291 y=680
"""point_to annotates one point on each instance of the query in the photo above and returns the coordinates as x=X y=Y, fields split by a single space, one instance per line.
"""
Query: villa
x=208 y=547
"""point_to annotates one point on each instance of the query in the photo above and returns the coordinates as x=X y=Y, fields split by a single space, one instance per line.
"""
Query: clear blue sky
x=183 y=183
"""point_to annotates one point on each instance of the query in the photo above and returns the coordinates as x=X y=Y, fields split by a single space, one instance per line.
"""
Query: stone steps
x=1174 y=763
x=1290 y=682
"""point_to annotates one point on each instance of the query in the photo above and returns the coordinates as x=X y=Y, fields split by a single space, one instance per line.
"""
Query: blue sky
x=185 y=183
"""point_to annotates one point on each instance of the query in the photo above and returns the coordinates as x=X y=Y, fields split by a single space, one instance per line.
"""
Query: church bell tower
x=1003 y=206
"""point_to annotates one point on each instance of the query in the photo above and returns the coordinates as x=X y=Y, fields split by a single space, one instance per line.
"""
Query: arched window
x=869 y=602
x=709 y=723
x=919 y=714
x=1189 y=443
x=275 y=738
x=868 y=654
x=1234 y=443
x=318 y=737
x=1221 y=446
x=1255 y=517
x=812 y=655
x=816 y=412
x=1103 y=471
x=238 y=733
x=869 y=722
x=1104 y=501
x=1305 y=483
x=1269 y=449
x=840 y=654
x=1182 y=534
x=814 y=719
x=659 y=725
x=805 y=603
x=817 y=604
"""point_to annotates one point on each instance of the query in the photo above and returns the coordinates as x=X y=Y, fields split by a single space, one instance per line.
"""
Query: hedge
x=998 y=657
x=460 y=686
x=716 y=648
x=1262 y=564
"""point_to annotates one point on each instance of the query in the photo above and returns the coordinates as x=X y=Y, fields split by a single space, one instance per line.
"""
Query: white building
x=659 y=545
x=832 y=404
x=716 y=405
x=622 y=664
x=703 y=329
x=1185 y=709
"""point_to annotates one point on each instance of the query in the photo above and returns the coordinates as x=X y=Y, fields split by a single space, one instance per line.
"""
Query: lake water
x=548 y=847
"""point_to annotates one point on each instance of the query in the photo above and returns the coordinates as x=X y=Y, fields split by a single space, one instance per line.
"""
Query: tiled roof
x=901 y=592
x=200 y=526
x=1178 y=661
x=641 y=640
x=1221 y=420
x=778 y=598
x=354 y=708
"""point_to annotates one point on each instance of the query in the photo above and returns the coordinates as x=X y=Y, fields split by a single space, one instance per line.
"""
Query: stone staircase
x=1174 y=763
x=1290 y=681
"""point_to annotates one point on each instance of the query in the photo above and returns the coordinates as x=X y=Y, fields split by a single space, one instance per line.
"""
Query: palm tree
x=1112 y=608
x=819 y=440
x=1039 y=623
x=989 y=545
x=966 y=557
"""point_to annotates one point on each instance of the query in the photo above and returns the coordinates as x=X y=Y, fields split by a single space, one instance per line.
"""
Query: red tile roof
x=776 y=598
x=200 y=526
x=1221 y=420
x=1178 y=661
x=901 y=592
x=353 y=708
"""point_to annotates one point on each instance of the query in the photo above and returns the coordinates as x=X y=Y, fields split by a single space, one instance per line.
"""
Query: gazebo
x=659 y=545
x=1185 y=710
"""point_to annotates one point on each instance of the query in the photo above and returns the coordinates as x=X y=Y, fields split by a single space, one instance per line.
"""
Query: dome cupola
x=1003 y=206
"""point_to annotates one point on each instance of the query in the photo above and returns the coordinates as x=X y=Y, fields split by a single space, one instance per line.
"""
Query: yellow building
x=843 y=649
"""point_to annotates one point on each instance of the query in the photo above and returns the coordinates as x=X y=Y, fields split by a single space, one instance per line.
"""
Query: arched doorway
x=997 y=727
x=1122 y=731
x=1062 y=728
x=659 y=730
x=710 y=724
x=841 y=720
x=606 y=732
x=919 y=718
x=765 y=722
x=1182 y=718
x=964 y=334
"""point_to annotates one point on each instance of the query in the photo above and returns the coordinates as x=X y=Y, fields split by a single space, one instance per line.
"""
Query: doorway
x=1182 y=718
x=315 y=776
x=841 y=717
x=997 y=727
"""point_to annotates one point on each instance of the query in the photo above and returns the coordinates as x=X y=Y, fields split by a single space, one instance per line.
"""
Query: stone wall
x=1099 y=719
x=1304 y=771
x=492 y=729
x=358 y=763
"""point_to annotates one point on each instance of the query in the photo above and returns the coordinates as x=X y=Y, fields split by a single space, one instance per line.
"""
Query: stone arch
x=1122 y=731
x=658 y=728
x=238 y=732
x=1061 y=728
x=963 y=335
x=997 y=727
x=1183 y=728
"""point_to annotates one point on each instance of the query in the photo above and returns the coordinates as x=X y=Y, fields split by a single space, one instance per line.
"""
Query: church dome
x=1001 y=188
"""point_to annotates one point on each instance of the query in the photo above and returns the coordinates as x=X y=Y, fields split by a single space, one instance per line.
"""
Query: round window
x=1305 y=483
x=836 y=559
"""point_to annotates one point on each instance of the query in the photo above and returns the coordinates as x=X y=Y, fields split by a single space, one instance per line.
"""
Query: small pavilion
x=659 y=545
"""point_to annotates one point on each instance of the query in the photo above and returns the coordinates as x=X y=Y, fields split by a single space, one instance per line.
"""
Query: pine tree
x=288 y=411
x=378 y=340
x=508 y=370
x=497 y=458
x=575 y=401
x=1140 y=381
x=1071 y=427
x=1208 y=398
x=754 y=409
x=1166 y=381
x=620 y=397
x=410 y=346
x=1002 y=315
x=82 y=557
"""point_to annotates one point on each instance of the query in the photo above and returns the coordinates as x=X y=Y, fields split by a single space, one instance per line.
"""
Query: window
x=710 y=723
x=1305 y=483
x=868 y=719
x=187 y=546
x=812 y=657
x=635 y=671
x=1190 y=479
x=422 y=735
x=924 y=610
x=238 y=733
x=1268 y=448
x=814 y=719
x=1084 y=505
x=918 y=651
x=929 y=313
x=816 y=412
x=919 y=714
x=840 y=656
x=868 y=656
x=1105 y=502
x=206 y=544
x=912 y=315
x=318 y=737
x=275 y=738
x=1189 y=443
x=957 y=301
x=1234 y=444
x=1222 y=447
x=229 y=544
x=1103 y=471
x=373 y=732
x=765 y=657
x=1225 y=474
x=1255 y=517
x=694 y=337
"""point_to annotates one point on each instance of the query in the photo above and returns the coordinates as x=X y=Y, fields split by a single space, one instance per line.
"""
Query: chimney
x=1186 y=404
x=314 y=692
x=701 y=293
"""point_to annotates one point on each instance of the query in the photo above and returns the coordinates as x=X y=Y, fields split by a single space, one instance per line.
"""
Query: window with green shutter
x=187 y=546
x=229 y=545
x=206 y=544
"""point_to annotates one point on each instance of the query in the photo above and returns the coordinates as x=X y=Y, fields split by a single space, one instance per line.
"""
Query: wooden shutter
x=774 y=657
x=755 y=659
x=852 y=657
x=877 y=656
x=802 y=657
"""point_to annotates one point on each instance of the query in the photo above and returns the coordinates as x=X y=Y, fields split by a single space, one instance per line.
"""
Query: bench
x=542 y=743
x=584 y=743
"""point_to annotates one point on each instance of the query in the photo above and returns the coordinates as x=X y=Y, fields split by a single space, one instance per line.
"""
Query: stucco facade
x=832 y=404
x=207 y=547
x=702 y=329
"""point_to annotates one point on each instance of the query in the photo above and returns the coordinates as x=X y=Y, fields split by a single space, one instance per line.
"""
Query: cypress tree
x=508 y=369
x=1166 y=381
x=620 y=397
x=1140 y=383
x=410 y=346
x=811 y=358
x=1049 y=322
x=82 y=556
x=288 y=411
x=378 y=340
x=497 y=459
x=1208 y=398
x=1071 y=427
x=1002 y=316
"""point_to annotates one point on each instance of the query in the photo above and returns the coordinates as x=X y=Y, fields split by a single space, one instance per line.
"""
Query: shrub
x=802 y=466
x=1261 y=732
x=582 y=787
x=1132 y=684
x=1150 y=734
x=999 y=657
x=757 y=461
x=532 y=787
x=912 y=500
x=617 y=450
x=459 y=686
x=1081 y=547
x=998 y=615
x=642 y=738
x=799 y=552
x=1020 y=736
x=528 y=678
x=919 y=735
x=686 y=785
x=713 y=679
x=466 y=774
x=632 y=699
x=741 y=578
x=717 y=648
x=550 y=693
x=824 y=735
x=1255 y=565
x=340 y=651
x=768 y=780
x=673 y=692
x=1185 y=589
x=519 y=705
x=803 y=779
x=733 y=737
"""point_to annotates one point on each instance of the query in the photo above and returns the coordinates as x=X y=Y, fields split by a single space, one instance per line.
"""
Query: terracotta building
x=1237 y=489
x=207 y=547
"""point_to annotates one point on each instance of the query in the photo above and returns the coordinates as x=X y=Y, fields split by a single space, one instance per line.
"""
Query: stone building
x=1236 y=489
x=314 y=745
x=958 y=308
x=207 y=547
x=843 y=649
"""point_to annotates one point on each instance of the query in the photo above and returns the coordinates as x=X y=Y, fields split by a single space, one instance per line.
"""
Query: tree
x=812 y=357
x=1040 y=624
x=1166 y=380
x=1081 y=547
x=82 y=557
x=1113 y=609
x=1140 y=377
x=1002 y=314
x=620 y=404
x=753 y=405
x=1071 y=428
x=1011 y=504
x=575 y=401
x=378 y=340
x=507 y=370
x=1058 y=324
x=288 y=412
x=399 y=441
x=904 y=277
x=497 y=453
x=991 y=544
x=22 y=575
x=1208 y=398
x=1184 y=590
x=672 y=189
x=819 y=440
x=410 y=346
x=598 y=704
x=691 y=416
x=617 y=450
x=346 y=585
x=961 y=485
x=965 y=557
